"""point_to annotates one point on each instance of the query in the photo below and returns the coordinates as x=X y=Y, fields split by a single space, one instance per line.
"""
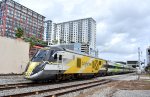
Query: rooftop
x=77 y=20
x=21 y=6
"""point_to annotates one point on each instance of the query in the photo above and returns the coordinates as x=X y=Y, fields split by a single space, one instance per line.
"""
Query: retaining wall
x=14 y=55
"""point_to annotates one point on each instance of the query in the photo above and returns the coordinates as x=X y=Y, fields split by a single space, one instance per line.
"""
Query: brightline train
x=59 y=63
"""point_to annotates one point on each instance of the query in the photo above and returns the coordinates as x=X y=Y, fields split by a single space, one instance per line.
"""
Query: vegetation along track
x=62 y=90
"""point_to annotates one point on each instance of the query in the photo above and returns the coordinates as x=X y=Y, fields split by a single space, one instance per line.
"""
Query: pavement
x=126 y=85
x=132 y=93
x=131 y=87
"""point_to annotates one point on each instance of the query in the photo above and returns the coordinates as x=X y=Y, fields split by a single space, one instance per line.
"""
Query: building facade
x=77 y=31
x=148 y=55
x=85 y=48
x=71 y=46
x=48 y=30
x=133 y=63
x=14 y=15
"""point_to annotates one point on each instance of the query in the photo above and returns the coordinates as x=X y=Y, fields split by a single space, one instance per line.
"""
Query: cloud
x=129 y=19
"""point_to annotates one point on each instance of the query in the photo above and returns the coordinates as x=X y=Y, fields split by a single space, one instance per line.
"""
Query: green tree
x=34 y=41
x=19 y=32
x=55 y=41
x=61 y=41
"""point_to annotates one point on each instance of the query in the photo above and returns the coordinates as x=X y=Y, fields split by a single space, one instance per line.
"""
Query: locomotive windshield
x=40 y=56
x=46 y=55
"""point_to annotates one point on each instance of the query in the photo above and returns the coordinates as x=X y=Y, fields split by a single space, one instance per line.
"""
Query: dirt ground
x=134 y=85
x=142 y=84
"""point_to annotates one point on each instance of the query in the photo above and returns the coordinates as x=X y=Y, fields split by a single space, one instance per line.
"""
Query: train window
x=60 y=57
x=40 y=56
x=51 y=52
x=78 y=62
x=100 y=63
x=55 y=56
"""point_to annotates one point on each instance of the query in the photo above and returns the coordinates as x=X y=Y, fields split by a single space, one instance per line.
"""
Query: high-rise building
x=48 y=30
x=14 y=15
x=77 y=31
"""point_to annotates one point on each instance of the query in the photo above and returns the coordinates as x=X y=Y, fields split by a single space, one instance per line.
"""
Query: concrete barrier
x=14 y=55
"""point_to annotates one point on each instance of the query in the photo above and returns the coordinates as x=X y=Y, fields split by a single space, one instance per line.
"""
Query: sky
x=122 y=25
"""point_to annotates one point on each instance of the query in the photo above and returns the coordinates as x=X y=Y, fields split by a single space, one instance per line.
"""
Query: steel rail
x=62 y=90
x=20 y=85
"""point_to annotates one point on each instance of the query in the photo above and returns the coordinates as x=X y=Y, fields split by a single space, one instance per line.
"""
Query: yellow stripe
x=32 y=65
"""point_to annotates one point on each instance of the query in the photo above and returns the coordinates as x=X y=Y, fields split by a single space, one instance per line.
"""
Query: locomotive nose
x=39 y=68
x=30 y=68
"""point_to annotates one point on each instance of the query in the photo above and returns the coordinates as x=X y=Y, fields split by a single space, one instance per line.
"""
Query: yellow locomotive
x=59 y=63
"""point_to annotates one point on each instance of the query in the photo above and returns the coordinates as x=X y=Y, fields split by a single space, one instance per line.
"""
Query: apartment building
x=77 y=31
x=14 y=15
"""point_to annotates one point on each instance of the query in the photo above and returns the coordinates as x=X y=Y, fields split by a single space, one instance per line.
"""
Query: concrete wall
x=14 y=55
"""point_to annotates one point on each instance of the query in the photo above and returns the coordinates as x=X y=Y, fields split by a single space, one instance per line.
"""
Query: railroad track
x=20 y=85
x=29 y=84
x=53 y=92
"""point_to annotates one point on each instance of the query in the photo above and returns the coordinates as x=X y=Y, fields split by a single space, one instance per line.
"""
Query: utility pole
x=139 y=63
x=144 y=63
x=139 y=59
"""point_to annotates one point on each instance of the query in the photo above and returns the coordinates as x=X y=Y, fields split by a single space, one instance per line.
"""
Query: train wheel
x=95 y=75
x=59 y=77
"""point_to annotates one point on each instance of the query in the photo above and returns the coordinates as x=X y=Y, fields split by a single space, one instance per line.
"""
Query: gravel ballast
x=113 y=90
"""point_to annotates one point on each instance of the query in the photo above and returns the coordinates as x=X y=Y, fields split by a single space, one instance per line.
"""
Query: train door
x=60 y=61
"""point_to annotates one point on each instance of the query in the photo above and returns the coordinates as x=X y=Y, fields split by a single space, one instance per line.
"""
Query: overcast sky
x=122 y=25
